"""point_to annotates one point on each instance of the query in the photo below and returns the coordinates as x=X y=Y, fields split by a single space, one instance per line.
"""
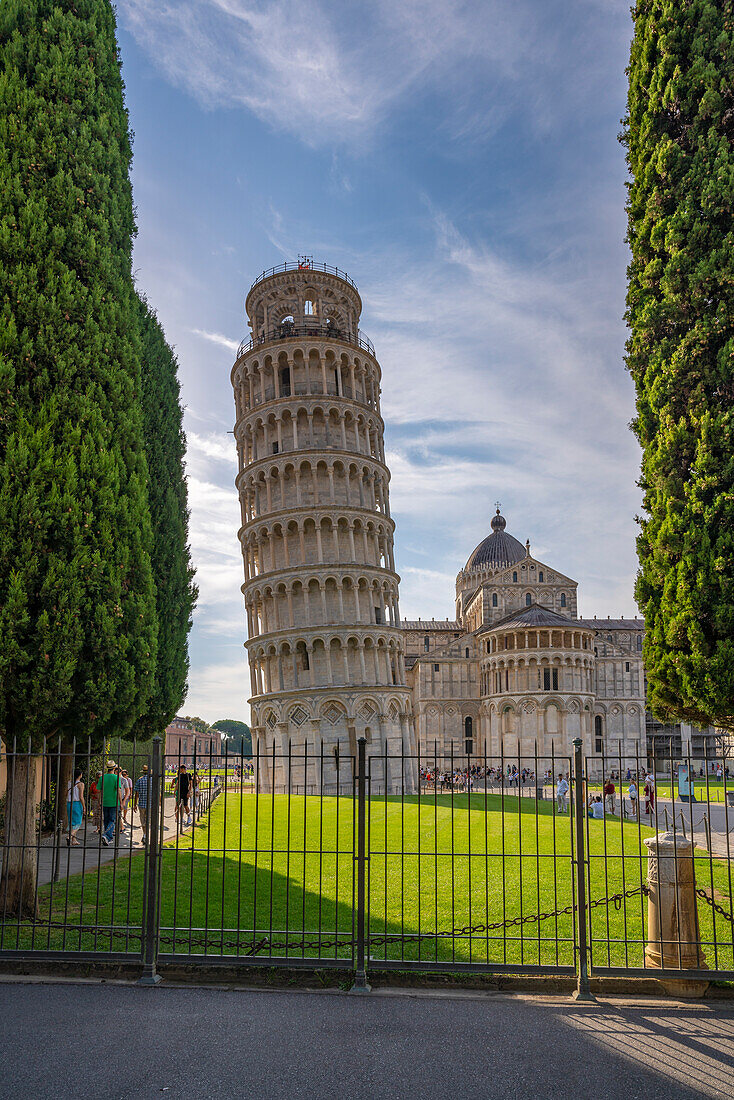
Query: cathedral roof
x=498 y=549
x=425 y=625
x=535 y=615
x=614 y=624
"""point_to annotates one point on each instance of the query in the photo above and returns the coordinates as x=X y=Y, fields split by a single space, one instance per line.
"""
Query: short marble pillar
x=673 y=936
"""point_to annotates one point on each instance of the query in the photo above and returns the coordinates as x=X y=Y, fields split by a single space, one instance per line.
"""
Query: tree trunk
x=18 y=878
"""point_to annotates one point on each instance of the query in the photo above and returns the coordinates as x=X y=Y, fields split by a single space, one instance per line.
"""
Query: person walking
x=183 y=788
x=127 y=790
x=75 y=807
x=632 y=795
x=95 y=795
x=609 y=794
x=649 y=790
x=195 y=783
x=140 y=800
x=561 y=795
x=111 y=796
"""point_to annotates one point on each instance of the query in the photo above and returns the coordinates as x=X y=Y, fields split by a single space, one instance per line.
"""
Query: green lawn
x=436 y=864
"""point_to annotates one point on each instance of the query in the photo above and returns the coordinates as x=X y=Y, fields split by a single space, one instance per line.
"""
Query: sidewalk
x=91 y=854
x=121 y=1042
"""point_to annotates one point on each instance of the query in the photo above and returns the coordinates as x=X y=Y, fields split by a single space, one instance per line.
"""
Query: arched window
x=540 y=575
x=598 y=734
x=514 y=577
x=494 y=599
x=639 y=641
x=308 y=308
x=528 y=599
x=426 y=644
x=466 y=651
x=468 y=736
x=563 y=599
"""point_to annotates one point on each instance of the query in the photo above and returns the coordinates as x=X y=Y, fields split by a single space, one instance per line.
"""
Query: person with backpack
x=182 y=789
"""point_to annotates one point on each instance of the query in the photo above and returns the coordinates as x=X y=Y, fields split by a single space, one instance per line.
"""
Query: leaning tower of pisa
x=321 y=591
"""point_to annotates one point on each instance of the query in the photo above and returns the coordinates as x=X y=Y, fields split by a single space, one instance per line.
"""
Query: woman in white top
x=632 y=794
x=75 y=807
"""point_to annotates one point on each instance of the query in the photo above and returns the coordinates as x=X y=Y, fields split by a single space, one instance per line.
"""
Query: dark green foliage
x=239 y=737
x=77 y=605
x=175 y=592
x=679 y=134
x=199 y=724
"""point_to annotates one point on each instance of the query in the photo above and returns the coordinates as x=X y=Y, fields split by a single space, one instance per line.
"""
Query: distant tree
x=239 y=737
x=77 y=606
x=165 y=446
x=679 y=134
x=198 y=724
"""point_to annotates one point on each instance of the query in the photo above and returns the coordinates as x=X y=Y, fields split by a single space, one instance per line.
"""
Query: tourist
x=140 y=800
x=609 y=794
x=183 y=786
x=632 y=795
x=596 y=810
x=95 y=795
x=561 y=795
x=75 y=807
x=195 y=784
x=111 y=795
x=649 y=795
x=127 y=791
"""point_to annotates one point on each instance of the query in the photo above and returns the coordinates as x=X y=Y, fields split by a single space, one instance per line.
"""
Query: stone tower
x=321 y=591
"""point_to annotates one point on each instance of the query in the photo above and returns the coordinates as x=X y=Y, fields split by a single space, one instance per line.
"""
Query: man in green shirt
x=111 y=798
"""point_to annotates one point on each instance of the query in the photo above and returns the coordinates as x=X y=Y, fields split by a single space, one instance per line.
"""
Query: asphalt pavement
x=111 y=1041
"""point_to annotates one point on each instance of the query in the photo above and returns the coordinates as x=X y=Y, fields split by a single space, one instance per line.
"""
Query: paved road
x=117 y=1042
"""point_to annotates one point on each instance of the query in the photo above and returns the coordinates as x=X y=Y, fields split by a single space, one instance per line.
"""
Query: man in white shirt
x=561 y=795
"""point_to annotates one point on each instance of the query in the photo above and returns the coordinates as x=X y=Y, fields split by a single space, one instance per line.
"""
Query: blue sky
x=460 y=161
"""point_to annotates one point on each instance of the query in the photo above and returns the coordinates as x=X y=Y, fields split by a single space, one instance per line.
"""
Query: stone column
x=673 y=936
x=410 y=776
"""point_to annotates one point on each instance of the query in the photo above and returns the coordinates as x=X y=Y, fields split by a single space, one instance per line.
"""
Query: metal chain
x=265 y=942
x=255 y=948
x=96 y=929
x=513 y=922
x=714 y=905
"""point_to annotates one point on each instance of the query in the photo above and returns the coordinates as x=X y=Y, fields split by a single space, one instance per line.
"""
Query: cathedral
x=518 y=669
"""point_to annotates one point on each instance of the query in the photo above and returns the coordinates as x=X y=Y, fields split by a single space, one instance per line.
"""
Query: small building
x=187 y=745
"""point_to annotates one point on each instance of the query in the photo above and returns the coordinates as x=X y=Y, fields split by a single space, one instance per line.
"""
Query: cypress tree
x=165 y=445
x=680 y=310
x=77 y=603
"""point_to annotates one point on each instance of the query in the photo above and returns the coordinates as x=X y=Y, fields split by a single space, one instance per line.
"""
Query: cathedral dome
x=498 y=549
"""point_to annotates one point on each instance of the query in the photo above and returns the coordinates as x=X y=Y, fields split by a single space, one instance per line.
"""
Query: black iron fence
x=559 y=864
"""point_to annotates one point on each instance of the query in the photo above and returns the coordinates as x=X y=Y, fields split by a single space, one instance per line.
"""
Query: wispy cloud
x=323 y=69
x=216 y=338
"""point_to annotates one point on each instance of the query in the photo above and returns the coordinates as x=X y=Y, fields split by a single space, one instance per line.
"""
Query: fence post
x=360 y=977
x=583 y=989
x=150 y=912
